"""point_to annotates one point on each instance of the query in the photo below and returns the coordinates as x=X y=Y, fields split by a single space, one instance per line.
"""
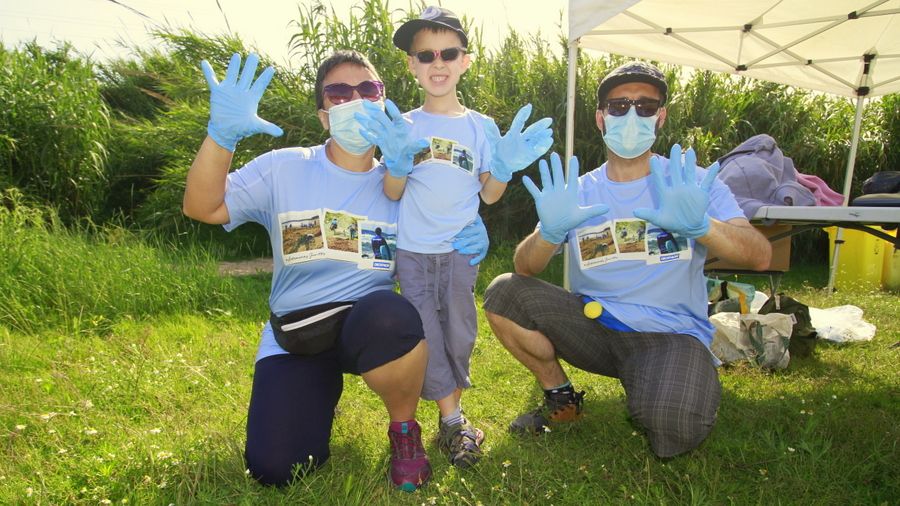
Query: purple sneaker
x=410 y=468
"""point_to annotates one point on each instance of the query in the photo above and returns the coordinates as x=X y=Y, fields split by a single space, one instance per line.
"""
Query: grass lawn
x=152 y=411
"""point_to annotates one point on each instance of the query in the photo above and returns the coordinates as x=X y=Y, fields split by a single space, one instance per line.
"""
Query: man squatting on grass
x=653 y=333
x=333 y=309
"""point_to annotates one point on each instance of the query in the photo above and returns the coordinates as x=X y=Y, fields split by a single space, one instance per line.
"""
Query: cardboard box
x=781 y=251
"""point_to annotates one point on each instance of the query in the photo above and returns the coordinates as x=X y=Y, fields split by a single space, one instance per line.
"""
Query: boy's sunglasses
x=645 y=107
x=429 y=55
x=339 y=93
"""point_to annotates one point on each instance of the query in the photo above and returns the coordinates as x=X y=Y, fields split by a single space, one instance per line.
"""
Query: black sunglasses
x=645 y=107
x=429 y=55
x=339 y=93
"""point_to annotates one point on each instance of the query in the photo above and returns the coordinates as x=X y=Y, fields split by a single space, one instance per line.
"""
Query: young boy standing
x=440 y=158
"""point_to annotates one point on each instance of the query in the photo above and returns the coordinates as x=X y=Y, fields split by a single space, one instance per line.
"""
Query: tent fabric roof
x=845 y=47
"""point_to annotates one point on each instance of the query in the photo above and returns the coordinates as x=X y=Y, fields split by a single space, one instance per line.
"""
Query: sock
x=564 y=389
x=454 y=418
x=402 y=427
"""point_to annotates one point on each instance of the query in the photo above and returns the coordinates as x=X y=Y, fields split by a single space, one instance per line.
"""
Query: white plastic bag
x=841 y=324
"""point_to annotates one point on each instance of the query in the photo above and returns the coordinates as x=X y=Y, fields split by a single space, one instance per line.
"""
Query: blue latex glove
x=681 y=205
x=233 y=102
x=557 y=204
x=391 y=135
x=517 y=149
x=473 y=240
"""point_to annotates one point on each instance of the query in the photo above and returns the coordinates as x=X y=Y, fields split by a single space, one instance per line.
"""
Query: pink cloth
x=825 y=196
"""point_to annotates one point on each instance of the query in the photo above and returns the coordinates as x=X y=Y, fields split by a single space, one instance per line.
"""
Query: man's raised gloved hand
x=391 y=135
x=233 y=102
x=557 y=203
x=682 y=203
x=517 y=149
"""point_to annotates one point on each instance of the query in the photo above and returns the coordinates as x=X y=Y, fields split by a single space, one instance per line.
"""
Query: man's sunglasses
x=339 y=93
x=645 y=107
x=429 y=55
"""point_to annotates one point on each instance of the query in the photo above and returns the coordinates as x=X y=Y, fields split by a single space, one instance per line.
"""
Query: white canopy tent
x=844 y=47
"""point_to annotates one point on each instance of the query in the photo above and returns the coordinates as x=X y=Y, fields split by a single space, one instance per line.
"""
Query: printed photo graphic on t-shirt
x=301 y=236
x=664 y=246
x=596 y=245
x=628 y=239
x=341 y=233
x=629 y=236
x=319 y=234
x=447 y=152
x=378 y=243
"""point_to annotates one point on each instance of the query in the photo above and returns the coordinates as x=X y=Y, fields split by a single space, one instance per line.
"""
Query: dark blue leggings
x=293 y=399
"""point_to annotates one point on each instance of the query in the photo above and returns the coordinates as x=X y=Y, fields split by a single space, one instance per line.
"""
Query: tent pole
x=848 y=180
x=570 y=133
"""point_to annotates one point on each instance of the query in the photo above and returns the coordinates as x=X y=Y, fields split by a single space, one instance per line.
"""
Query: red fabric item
x=825 y=196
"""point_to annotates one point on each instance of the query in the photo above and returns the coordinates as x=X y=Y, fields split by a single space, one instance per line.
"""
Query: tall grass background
x=114 y=140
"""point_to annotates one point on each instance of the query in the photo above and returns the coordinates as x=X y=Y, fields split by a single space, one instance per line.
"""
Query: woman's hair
x=338 y=58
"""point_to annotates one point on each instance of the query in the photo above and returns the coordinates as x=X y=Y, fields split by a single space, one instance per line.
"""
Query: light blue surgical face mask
x=344 y=127
x=629 y=136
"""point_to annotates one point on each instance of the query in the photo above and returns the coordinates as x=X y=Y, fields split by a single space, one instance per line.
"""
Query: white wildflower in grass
x=507 y=463
x=634 y=433
x=62 y=451
x=834 y=397
x=47 y=416
x=20 y=427
x=88 y=431
x=87 y=404
x=163 y=455
x=802 y=411
x=791 y=449
x=38 y=380
x=154 y=431
x=51 y=431
x=105 y=501
x=29 y=492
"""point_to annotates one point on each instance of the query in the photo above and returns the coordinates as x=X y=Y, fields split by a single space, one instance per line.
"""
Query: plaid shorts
x=670 y=381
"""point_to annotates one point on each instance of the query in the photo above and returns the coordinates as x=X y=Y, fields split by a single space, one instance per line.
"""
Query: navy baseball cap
x=431 y=17
x=633 y=72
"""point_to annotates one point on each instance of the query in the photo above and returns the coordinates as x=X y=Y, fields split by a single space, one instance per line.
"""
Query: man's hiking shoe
x=461 y=443
x=410 y=468
x=555 y=409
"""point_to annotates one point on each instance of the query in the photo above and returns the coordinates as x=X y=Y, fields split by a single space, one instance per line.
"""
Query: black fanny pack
x=311 y=330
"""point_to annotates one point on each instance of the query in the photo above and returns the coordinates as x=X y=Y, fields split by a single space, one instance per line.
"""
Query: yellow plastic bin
x=890 y=268
x=860 y=260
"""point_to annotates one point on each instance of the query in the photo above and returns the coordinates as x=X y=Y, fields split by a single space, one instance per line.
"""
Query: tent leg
x=570 y=133
x=848 y=181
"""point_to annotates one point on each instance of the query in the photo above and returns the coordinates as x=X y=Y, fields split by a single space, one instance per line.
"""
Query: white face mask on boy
x=344 y=127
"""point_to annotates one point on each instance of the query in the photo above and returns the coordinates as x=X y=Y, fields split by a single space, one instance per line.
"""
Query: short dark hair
x=337 y=58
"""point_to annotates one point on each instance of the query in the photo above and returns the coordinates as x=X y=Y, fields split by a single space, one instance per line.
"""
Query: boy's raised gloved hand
x=517 y=149
x=557 y=203
x=391 y=135
x=473 y=240
x=233 y=102
x=681 y=204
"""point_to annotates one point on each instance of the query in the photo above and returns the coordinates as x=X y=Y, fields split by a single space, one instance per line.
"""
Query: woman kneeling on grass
x=332 y=305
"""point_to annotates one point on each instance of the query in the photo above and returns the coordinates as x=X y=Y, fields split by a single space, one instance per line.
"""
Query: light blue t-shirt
x=322 y=221
x=649 y=279
x=441 y=195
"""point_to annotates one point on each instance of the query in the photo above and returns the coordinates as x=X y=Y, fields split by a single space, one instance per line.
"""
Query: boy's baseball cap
x=633 y=72
x=433 y=17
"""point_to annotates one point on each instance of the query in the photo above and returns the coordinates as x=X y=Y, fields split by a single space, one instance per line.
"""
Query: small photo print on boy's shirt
x=301 y=236
x=447 y=152
x=596 y=245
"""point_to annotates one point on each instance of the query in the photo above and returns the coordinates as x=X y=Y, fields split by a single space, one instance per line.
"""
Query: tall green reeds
x=54 y=128
x=85 y=278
